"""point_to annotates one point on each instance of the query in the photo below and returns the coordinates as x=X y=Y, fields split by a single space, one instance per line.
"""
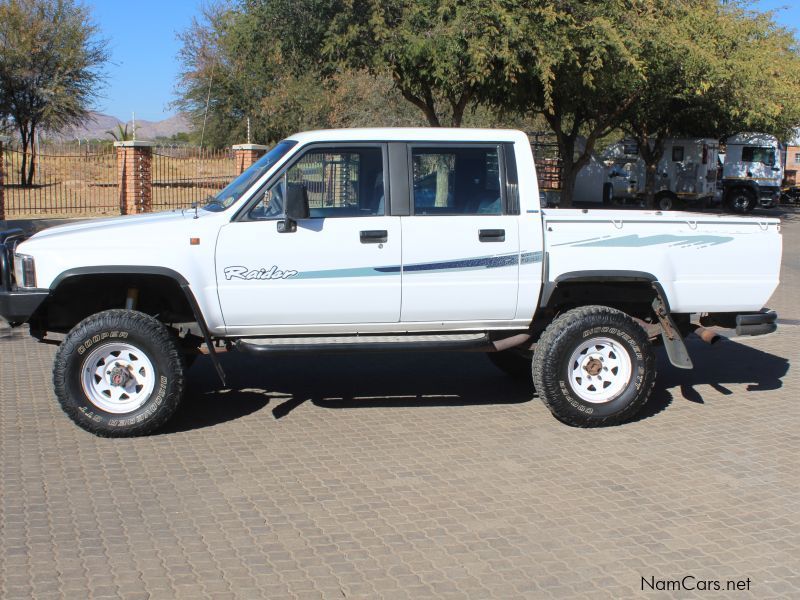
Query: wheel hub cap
x=117 y=378
x=599 y=370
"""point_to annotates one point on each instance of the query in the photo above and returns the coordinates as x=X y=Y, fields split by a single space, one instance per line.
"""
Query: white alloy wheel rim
x=599 y=370
x=117 y=378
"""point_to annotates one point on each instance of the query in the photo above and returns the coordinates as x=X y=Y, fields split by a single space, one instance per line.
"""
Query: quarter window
x=456 y=181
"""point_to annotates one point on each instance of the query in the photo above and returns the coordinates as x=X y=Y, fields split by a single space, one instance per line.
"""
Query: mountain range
x=96 y=126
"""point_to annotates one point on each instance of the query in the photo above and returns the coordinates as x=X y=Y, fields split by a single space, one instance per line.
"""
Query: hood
x=112 y=224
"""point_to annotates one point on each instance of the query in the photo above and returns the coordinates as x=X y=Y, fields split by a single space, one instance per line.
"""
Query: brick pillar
x=2 y=189
x=134 y=176
x=247 y=154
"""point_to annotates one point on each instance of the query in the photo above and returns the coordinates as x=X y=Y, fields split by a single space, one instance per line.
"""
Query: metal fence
x=546 y=157
x=184 y=174
x=68 y=179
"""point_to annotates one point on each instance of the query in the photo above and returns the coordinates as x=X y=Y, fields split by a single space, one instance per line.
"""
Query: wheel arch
x=80 y=292
x=163 y=287
x=630 y=291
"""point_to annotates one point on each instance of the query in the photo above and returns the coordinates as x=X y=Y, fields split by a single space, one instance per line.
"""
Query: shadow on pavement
x=342 y=382
x=435 y=379
x=725 y=363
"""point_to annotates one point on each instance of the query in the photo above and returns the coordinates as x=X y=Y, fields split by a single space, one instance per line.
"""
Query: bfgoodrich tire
x=594 y=366
x=119 y=373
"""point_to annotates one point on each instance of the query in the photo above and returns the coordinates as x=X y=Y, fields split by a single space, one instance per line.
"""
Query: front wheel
x=119 y=373
x=665 y=202
x=741 y=201
x=594 y=366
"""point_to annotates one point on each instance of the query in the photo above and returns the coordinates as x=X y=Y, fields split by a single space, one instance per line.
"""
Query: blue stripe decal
x=485 y=262
x=636 y=241
x=464 y=264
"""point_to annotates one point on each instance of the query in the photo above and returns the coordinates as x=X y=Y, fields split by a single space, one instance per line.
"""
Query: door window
x=457 y=181
x=338 y=182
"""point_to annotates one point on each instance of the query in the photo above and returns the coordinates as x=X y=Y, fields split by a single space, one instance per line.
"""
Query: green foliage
x=50 y=61
x=121 y=134
x=652 y=68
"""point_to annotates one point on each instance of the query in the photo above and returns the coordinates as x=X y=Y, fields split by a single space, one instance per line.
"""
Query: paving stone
x=409 y=476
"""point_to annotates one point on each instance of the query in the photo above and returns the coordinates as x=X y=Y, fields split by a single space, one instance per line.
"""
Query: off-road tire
x=551 y=366
x=512 y=362
x=140 y=331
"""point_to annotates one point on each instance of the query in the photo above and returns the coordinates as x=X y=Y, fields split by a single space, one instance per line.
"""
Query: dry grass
x=70 y=182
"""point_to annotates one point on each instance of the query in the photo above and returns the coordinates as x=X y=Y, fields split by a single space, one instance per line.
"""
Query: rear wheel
x=119 y=373
x=594 y=366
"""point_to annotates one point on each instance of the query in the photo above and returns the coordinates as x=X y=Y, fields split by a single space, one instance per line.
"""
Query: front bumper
x=768 y=197
x=17 y=306
x=760 y=323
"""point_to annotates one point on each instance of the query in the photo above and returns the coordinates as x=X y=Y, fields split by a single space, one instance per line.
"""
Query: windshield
x=236 y=188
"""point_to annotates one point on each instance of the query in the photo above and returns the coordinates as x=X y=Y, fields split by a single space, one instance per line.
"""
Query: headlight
x=24 y=271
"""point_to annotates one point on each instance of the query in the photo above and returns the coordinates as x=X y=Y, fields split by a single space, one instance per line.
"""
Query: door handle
x=492 y=235
x=374 y=236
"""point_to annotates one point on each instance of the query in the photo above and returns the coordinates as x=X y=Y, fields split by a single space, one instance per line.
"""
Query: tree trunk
x=32 y=163
x=23 y=168
x=650 y=172
x=568 y=176
x=651 y=156
x=442 y=180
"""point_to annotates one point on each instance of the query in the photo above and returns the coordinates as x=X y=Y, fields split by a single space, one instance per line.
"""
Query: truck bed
x=705 y=263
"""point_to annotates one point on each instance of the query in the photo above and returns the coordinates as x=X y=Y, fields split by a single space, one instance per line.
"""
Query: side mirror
x=296 y=207
x=296 y=202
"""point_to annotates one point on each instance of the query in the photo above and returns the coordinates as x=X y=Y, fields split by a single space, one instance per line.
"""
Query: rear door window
x=457 y=180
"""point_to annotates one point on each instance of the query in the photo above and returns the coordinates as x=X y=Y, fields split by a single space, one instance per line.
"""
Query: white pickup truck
x=385 y=240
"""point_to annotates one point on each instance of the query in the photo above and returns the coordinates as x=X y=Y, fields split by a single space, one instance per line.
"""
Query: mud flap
x=673 y=341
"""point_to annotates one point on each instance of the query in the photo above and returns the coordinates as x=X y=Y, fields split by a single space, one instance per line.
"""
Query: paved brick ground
x=429 y=476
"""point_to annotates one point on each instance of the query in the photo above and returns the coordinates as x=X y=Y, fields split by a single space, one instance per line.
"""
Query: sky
x=144 y=51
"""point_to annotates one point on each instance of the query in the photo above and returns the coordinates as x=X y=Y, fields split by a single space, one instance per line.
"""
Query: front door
x=461 y=250
x=340 y=266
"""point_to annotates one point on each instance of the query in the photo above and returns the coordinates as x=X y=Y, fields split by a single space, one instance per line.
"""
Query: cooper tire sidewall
x=575 y=336
x=88 y=411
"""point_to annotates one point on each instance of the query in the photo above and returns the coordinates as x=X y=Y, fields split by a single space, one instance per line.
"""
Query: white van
x=686 y=174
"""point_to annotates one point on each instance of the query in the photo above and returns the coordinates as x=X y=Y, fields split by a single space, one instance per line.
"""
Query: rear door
x=460 y=249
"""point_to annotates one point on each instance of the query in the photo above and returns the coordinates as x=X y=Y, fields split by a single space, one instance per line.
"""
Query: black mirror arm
x=287 y=225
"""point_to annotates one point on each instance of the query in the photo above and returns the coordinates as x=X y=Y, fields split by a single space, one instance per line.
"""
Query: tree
x=239 y=65
x=121 y=134
x=710 y=70
x=575 y=63
x=50 y=61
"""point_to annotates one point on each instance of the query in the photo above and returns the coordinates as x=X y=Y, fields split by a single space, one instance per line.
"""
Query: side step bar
x=365 y=343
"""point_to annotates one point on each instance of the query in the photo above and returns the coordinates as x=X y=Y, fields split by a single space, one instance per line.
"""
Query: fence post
x=247 y=154
x=135 y=176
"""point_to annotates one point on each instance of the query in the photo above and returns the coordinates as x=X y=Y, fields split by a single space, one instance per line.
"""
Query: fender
x=673 y=341
x=598 y=276
x=152 y=270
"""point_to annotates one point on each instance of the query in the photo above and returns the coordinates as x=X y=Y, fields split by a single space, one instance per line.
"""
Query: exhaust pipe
x=708 y=336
